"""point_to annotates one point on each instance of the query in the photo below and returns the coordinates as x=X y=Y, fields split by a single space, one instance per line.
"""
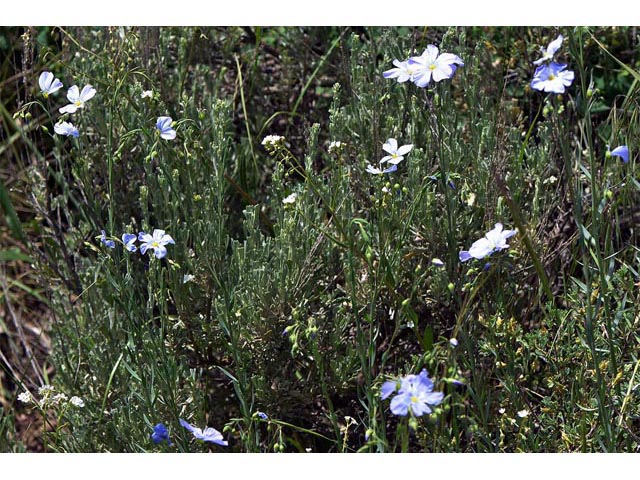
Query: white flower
x=49 y=84
x=550 y=52
x=59 y=398
x=523 y=413
x=78 y=98
x=147 y=94
x=45 y=390
x=271 y=140
x=335 y=147
x=430 y=66
x=66 y=129
x=77 y=402
x=290 y=199
x=453 y=342
x=494 y=240
x=187 y=278
x=395 y=154
x=25 y=397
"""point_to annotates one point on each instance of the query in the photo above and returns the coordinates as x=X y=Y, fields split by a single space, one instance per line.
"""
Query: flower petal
x=621 y=151
x=71 y=108
x=481 y=248
x=403 y=150
x=87 y=93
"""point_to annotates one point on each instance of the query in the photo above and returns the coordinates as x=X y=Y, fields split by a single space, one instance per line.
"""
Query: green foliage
x=302 y=309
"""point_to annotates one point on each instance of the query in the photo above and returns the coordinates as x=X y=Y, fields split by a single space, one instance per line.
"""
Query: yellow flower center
x=155 y=244
x=552 y=76
x=432 y=67
x=414 y=399
x=394 y=155
x=78 y=103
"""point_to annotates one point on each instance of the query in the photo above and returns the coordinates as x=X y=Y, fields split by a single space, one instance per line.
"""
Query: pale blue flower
x=160 y=434
x=209 y=435
x=78 y=98
x=129 y=239
x=378 y=171
x=431 y=66
x=493 y=241
x=157 y=242
x=414 y=394
x=402 y=72
x=163 y=124
x=66 y=129
x=105 y=242
x=437 y=262
x=49 y=84
x=396 y=154
x=622 y=151
x=552 y=78
x=552 y=48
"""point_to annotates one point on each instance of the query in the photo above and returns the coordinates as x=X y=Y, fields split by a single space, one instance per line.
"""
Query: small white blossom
x=523 y=413
x=77 y=402
x=453 y=342
x=271 y=140
x=335 y=147
x=25 y=397
x=187 y=278
x=45 y=390
x=289 y=199
x=59 y=398
x=147 y=94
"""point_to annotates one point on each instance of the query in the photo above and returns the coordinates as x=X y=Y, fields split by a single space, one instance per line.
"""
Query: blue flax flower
x=49 y=84
x=209 y=435
x=105 y=242
x=378 y=171
x=78 y=98
x=547 y=55
x=414 y=394
x=129 y=239
x=552 y=78
x=396 y=154
x=163 y=124
x=493 y=241
x=160 y=434
x=622 y=151
x=402 y=72
x=67 y=129
x=431 y=66
x=157 y=242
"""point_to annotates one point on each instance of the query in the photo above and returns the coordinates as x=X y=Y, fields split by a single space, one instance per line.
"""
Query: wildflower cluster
x=422 y=69
x=50 y=399
x=49 y=84
x=157 y=242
